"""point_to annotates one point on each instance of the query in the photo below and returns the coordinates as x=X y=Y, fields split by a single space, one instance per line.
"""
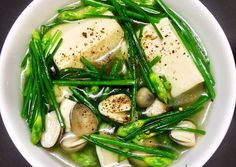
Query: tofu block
x=176 y=63
x=91 y=38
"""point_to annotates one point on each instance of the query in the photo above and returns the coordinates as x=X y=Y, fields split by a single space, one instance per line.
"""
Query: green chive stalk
x=132 y=146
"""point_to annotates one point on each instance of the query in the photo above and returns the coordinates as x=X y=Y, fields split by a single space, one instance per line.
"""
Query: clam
x=144 y=97
x=156 y=108
x=52 y=131
x=66 y=108
x=116 y=107
x=184 y=138
x=71 y=143
x=83 y=120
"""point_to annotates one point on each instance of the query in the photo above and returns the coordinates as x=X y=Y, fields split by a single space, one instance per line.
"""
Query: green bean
x=196 y=131
x=159 y=124
x=37 y=71
x=37 y=126
x=115 y=68
x=134 y=127
x=159 y=86
x=154 y=80
x=80 y=13
x=151 y=161
x=147 y=80
x=133 y=15
x=70 y=7
x=50 y=57
x=126 y=129
x=88 y=64
x=35 y=108
x=32 y=106
x=114 y=150
x=132 y=61
x=132 y=146
x=24 y=61
x=155 y=61
x=47 y=81
x=85 y=101
x=140 y=10
x=26 y=102
x=102 y=71
x=168 y=120
x=94 y=83
x=157 y=161
x=203 y=99
x=107 y=17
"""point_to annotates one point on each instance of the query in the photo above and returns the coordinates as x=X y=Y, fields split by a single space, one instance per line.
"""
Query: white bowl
x=197 y=16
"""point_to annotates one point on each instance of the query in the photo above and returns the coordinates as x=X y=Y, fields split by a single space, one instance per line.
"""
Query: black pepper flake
x=166 y=36
x=173 y=51
x=84 y=34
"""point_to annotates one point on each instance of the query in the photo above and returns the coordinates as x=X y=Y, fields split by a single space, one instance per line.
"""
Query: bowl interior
x=197 y=16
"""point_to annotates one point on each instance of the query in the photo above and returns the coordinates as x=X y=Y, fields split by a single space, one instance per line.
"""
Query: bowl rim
x=34 y=162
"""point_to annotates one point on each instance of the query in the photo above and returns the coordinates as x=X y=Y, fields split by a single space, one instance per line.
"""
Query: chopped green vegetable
x=158 y=161
x=88 y=64
x=159 y=86
x=80 y=13
x=37 y=129
x=125 y=130
x=145 y=2
x=155 y=61
x=132 y=146
x=196 y=131
x=92 y=83
x=86 y=158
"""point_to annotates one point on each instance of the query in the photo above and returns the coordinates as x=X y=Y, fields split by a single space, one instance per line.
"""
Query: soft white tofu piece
x=176 y=63
x=91 y=38
x=66 y=108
